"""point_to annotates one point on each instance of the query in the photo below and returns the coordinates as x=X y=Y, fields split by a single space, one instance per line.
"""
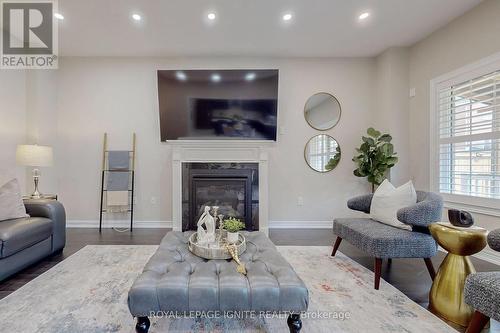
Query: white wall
x=119 y=96
x=393 y=106
x=465 y=40
x=41 y=122
x=12 y=123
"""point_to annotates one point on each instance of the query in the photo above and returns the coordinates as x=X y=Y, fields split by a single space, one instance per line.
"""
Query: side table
x=447 y=293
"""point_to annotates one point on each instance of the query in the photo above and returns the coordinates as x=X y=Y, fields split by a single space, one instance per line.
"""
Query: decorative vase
x=232 y=237
x=460 y=218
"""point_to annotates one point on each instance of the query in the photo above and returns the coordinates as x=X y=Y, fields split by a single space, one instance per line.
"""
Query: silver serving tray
x=217 y=250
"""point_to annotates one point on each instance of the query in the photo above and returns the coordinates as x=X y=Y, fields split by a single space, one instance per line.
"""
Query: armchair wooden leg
x=477 y=323
x=336 y=246
x=430 y=268
x=378 y=272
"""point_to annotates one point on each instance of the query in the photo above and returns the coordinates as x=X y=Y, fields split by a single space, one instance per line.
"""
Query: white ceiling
x=319 y=28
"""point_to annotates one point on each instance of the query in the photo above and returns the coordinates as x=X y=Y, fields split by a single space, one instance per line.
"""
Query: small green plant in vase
x=232 y=226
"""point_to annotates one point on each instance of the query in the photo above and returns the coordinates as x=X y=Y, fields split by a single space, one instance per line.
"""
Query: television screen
x=218 y=104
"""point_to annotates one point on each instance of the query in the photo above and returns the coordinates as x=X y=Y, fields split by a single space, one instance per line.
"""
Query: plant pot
x=232 y=237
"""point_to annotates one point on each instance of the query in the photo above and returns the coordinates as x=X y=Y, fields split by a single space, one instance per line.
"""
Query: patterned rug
x=87 y=292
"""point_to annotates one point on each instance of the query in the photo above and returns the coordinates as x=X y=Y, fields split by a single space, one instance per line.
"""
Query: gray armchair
x=27 y=240
x=482 y=292
x=386 y=242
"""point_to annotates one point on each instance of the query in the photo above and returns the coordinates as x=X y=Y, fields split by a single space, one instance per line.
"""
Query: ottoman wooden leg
x=294 y=323
x=142 y=325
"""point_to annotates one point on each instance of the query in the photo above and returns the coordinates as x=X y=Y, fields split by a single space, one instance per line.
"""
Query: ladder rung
x=115 y=190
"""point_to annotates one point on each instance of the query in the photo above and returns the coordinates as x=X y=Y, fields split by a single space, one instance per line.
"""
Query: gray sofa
x=482 y=292
x=386 y=242
x=27 y=240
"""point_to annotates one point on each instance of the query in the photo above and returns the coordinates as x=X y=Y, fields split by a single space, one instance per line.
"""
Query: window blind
x=469 y=137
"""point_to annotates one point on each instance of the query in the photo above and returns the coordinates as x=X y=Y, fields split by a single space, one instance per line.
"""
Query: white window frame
x=485 y=66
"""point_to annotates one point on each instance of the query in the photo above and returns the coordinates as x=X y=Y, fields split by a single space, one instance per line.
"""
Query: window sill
x=483 y=206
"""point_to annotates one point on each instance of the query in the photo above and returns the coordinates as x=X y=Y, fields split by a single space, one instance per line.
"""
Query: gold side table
x=447 y=293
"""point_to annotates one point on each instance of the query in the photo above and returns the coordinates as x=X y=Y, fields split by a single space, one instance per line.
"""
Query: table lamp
x=34 y=156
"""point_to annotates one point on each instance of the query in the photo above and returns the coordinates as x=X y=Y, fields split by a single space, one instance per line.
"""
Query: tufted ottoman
x=176 y=281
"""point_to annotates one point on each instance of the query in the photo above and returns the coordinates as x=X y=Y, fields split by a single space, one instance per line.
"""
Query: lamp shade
x=34 y=155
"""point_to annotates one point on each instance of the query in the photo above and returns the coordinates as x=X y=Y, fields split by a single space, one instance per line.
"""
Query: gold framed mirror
x=322 y=111
x=322 y=153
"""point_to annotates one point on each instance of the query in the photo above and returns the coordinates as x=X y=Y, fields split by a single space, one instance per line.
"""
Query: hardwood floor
x=408 y=275
x=76 y=239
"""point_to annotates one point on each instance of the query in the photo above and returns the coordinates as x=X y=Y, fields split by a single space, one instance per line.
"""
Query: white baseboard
x=300 y=224
x=168 y=224
x=487 y=254
x=117 y=224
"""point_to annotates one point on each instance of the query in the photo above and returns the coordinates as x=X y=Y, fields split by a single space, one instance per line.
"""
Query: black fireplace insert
x=232 y=187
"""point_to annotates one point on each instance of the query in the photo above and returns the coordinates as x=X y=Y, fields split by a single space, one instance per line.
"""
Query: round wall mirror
x=322 y=111
x=322 y=153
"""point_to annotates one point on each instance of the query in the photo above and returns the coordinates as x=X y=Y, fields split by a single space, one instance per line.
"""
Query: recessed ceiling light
x=364 y=15
x=58 y=16
x=215 y=77
x=250 y=76
x=211 y=16
x=181 y=76
x=136 y=17
x=287 y=17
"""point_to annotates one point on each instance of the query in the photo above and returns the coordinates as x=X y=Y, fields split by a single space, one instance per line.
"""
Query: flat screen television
x=218 y=104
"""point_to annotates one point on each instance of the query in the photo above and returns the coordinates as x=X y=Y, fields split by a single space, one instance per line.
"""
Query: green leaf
x=358 y=173
x=387 y=149
x=385 y=138
x=392 y=160
x=369 y=141
x=379 y=179
x=333 y=162
x=373 y=132
x=365 y=148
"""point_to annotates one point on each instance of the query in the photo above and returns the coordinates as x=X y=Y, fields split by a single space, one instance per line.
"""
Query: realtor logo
x=29 y=34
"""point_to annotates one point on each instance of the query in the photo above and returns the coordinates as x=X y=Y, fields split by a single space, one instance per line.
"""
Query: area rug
x=87 y=292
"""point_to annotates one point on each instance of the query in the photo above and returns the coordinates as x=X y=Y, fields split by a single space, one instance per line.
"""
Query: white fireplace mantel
x=220 y=152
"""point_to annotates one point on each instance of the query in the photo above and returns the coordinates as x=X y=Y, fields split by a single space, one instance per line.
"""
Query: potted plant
x=232 y=226
x=376 y=157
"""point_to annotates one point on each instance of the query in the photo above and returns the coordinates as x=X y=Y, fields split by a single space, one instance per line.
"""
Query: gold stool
x=447 y=293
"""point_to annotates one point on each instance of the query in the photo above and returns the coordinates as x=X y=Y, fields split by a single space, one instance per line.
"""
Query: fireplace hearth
x=233 y=187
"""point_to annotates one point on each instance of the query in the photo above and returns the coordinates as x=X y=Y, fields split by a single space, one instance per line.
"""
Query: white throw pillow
x=11 y=201
x=387 y=200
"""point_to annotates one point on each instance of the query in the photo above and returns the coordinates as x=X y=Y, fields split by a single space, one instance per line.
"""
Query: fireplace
x=232 y=187
x=187 y=154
